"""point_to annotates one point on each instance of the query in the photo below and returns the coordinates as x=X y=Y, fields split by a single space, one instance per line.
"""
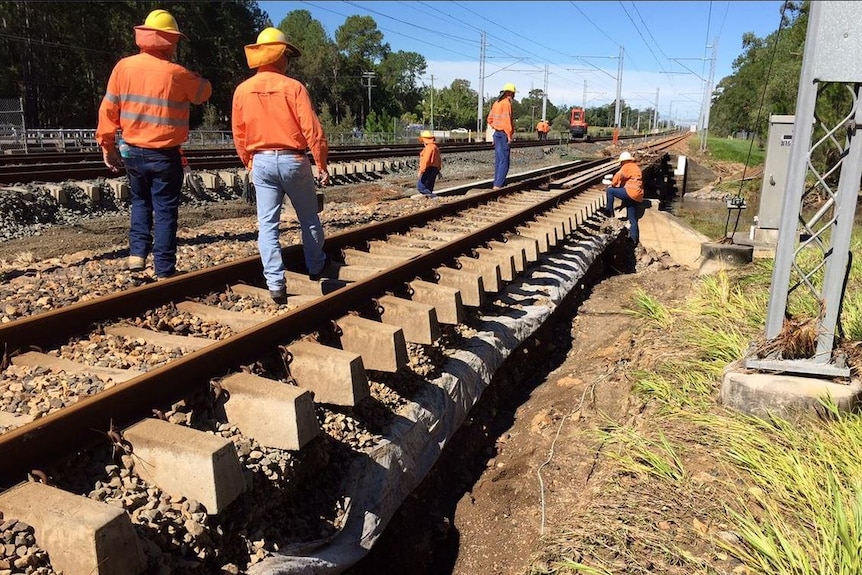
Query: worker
x=627 y=185
x=542 y=129
x=430 y=164
x=274 y=123
x=500 y=119
x=148 y=99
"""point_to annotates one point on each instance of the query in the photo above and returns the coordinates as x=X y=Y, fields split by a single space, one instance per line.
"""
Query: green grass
x=788 y=492
x=797 y=506
x=731 y=150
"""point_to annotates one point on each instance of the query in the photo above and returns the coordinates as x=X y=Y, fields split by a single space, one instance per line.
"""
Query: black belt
x=281 y=152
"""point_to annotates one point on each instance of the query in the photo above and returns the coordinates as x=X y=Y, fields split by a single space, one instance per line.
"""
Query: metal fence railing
x=12 y=123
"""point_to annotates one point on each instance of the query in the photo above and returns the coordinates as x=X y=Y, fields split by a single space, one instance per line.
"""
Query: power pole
x=369 y=76
x=707 y=98
x=480 y=114
x=545 y=96
x=585 y=95
x=829 y=57
x=617 y=112
x=655 y=111
x=432 y=102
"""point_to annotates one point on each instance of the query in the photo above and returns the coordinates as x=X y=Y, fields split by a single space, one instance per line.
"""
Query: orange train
x=578 y=127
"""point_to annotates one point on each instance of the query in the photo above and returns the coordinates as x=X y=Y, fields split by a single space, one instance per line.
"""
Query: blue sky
x=667 y=45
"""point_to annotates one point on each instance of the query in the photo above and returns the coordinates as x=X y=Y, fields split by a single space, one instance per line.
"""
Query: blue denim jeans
x=425 y=185
x=274 y=177
x=156 y=178
x=501 y=158
x=631 y=207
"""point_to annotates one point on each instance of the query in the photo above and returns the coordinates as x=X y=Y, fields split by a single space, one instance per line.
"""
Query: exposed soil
x=527 y=462
x=483 y=508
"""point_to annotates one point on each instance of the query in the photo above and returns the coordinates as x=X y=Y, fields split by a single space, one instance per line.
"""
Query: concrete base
x=490 y=272
x=764 y=242
x=505 y=261
x=186 y=462
x=446 y=301
x=417 y=320
x=82 y=536
x=761 y=394
x=274 y=413
x=469 y=284
x=334 y=376
x=382 y=346
x=715 y=257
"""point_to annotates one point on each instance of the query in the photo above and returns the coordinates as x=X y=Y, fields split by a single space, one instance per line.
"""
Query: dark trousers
x=501 y=158
x=631 y=207
x=426 y=181
x=156 y=178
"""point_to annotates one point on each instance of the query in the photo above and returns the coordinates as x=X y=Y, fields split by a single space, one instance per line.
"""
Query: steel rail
x=60 y=167
x=83 y=423
x=76 y=426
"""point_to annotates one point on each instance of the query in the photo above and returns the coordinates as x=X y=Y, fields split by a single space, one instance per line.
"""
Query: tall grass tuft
x=640 y=455
x=647 y=307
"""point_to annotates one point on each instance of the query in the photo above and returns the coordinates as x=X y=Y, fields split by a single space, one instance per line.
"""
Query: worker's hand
x=112 y=159
x=323 y=177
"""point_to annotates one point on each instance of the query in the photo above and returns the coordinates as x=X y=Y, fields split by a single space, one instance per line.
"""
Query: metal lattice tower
x=832 y=45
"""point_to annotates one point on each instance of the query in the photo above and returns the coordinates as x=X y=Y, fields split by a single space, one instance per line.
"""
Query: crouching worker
x=430 y=163
x=627 y=185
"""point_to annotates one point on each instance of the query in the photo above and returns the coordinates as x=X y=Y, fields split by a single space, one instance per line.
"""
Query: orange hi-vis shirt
x=430 y=157
x=500 y=117
x=630 y=177
x=148 y=98
x=272 y=111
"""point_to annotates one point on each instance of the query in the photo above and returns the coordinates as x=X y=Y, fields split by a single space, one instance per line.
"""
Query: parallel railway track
x=472 y=245
x=59 y=167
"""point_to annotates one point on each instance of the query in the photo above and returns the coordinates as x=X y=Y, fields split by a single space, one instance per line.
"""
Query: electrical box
x=772 y=189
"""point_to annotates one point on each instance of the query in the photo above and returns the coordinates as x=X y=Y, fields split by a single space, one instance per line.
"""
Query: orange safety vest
x=630 y=177
x=272 y=111
x=500 y=117
x=148 y=99
x=430 y=156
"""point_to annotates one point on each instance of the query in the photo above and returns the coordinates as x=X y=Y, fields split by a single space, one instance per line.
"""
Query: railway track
x=60 y=166
x=395 y=290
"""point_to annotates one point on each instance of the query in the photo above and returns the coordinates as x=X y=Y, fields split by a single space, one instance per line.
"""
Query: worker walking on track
x=627 y=185
x=430 y=164
x=500 y=119
x=148 y=98
x=274 y=123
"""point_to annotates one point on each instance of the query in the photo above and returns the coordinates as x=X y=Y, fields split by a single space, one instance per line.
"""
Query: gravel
x=295 y=497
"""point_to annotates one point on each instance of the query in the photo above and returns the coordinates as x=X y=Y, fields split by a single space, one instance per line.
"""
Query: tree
x=361 y=48
x=454 y=106
x=765 y=78
x=58 y=55
x=316 y=67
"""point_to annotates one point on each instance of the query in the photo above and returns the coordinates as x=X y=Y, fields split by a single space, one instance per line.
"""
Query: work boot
x=317 y=276
x=136 y=263
x=279 y=295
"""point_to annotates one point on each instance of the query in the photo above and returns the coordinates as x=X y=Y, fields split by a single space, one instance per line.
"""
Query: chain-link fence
x=12 y=124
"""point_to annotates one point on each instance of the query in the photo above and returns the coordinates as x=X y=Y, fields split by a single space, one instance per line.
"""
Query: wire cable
x=590 y=387
x=784 y=6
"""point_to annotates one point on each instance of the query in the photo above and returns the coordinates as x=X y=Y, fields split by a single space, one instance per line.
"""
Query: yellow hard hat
x=509 y=87
x=273 y=35
x=163 y=21
x=426 y=134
